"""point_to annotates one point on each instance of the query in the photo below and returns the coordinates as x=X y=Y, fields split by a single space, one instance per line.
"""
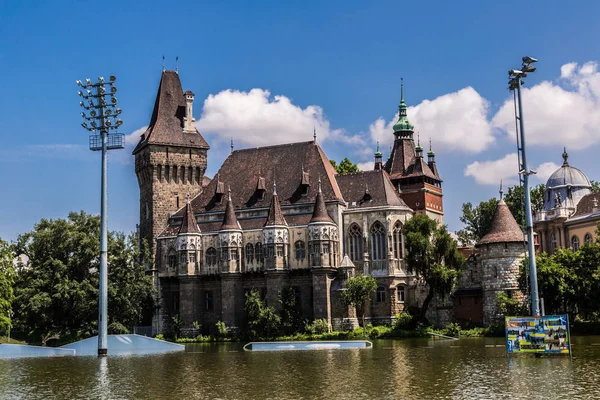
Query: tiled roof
x=320 y=213
x=282 y=163
x=275 y=216
x=403 y=155
x=419 y=168
x=586 y=205
x=381 y=191
x=166 y=123
x=504 y=227
x=230 y=220
x=189 y=224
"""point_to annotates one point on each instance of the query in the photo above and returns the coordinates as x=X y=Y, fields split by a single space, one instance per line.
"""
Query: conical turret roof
x=230 y=220
x=189 y=224
x=505 y=228
x=275 y=217
x=320 y=212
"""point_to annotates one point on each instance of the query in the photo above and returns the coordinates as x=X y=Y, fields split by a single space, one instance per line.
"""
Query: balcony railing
x=561 y=212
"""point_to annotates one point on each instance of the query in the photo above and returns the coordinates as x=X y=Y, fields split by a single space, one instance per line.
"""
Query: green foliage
x=477 y=220
x=7 y=280
x=358 y=292
x=317 y=327
x=222 y=330
x=57 y=291
x=595 y=186
x=453 y=329
x=508 y=306
x=346 y=166
x=175 y=326
x=196 y=325
x=160 y=336
x=263 y=322
x=292 y=319
x=431 y=254
x=403 y=320
x=117 y=328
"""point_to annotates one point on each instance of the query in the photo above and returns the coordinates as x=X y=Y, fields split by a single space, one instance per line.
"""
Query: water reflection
x=406 y=369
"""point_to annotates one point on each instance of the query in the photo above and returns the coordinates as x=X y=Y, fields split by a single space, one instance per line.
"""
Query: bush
x=453 y=329
x=160 y=336
x=222 y=330
x=196 y=325
x=317 y=327
x=403 y=320
x=116 y=328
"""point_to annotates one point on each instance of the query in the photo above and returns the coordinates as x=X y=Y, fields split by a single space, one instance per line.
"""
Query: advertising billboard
x=548 y=334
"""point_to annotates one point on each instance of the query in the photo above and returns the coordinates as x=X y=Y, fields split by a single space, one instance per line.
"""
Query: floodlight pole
x=535 y=302
x=100 y=114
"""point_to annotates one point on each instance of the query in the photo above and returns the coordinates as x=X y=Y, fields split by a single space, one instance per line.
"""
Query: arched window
x=172 y=259
x=211 y=256
x=258 y=252
x=587 y=239
x=380 y=294
x=400 y=292
x=377 y=241
x=300 y=250
x=575 y=243
x=397 y=239
x=355 y=242
x=192 y=254
x=249 y=253
x=553 y=242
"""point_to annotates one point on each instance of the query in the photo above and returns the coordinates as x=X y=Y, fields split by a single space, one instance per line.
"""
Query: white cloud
x=545 y=170
x=505 y=168
x=490 y=172
x=454 y=122
x=366 y=166
x=560 y=113
x=256 y=118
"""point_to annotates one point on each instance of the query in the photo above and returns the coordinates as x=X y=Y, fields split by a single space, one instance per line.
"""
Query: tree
x=263 y=322
x=431 y=254
x=345 y=166
x=515 y=200
x=292 y=320
x=595 y=186
x=7 y=278
x=358 y=293
x=57 y=290
x=477 y=220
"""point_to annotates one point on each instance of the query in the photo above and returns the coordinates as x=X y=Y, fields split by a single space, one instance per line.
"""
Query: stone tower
x=418 y=181
x=170 y=158
x=502 y=251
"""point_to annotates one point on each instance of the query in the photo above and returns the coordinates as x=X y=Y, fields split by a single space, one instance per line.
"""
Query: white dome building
x=564 y=190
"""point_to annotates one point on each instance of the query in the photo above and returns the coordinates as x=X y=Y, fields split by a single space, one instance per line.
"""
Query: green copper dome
x=403 y=124
x=378 y=153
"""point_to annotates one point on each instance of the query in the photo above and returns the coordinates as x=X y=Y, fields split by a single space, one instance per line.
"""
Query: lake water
x=393 y=369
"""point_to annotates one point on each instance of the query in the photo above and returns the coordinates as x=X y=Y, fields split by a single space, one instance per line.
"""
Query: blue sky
x=266 y=72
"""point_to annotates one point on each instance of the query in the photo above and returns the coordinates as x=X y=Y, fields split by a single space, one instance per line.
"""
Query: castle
x=275 y=217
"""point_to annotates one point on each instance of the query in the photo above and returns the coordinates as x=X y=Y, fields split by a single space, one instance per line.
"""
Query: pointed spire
x=501 y=191
x=275 y=216
x=314 y=134
x=320 y=211
x=565 y=157
x=163 y=65
x=177 y=64
x=419 y=149
x=378 y=158
x=403 y=125
x=188 y=224
x=430 y=154
x=229 y=219
x=231 y=145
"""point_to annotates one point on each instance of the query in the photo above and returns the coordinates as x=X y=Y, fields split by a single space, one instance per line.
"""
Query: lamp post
x=100 y=114
x=515 y=83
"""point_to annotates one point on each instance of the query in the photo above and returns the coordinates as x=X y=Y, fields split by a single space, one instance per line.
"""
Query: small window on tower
x=190 y=154
x=167 y=153
x=177 y=201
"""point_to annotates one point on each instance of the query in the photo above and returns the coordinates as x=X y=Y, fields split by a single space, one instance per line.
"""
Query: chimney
x=188 y=120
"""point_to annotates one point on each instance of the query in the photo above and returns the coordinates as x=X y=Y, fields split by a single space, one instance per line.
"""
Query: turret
x=230 y=240
x=275 y=236
x=378 y=158
x=403 y=128
x=322 y=235
x=188 y=242
x=188 y=120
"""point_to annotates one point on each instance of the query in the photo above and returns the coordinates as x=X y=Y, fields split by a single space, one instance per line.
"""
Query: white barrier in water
x=24 y=351
x=323 y=345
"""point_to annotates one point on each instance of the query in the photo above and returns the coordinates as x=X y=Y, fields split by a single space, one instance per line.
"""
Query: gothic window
x=377 y=241
x=575 y=243
x=198 y=177
x=380 y=294
x=279 y=250
x=159 y=173
x=587 y=239
x=168 y=172
x=192 y=256
x=259 y=252
x=190 y=174
x=397 y=240
x=208 y=301
x=400 y=291
x=175 y=176
x=234 y=254
x=269 y=251
x=300 y=248
x=553 y=242
x=355 y=242
x=172 y=259
x=326 y=248
x=249 y=253
x=224 y=254
x=211 y=256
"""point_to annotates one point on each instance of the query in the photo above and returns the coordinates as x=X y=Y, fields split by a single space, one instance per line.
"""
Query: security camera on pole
x=100 y=114
x=515 y=82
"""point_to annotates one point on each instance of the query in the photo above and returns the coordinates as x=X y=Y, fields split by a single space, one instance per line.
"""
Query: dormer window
x=260 y=188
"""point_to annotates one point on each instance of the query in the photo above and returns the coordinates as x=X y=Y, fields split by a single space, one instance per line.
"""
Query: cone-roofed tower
x=275 y=216
x=230 y=220
x=189 y=224
x=320 y=211
x=504 y=228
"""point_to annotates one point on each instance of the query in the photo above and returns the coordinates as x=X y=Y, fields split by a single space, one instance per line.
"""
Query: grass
x=4 y=339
